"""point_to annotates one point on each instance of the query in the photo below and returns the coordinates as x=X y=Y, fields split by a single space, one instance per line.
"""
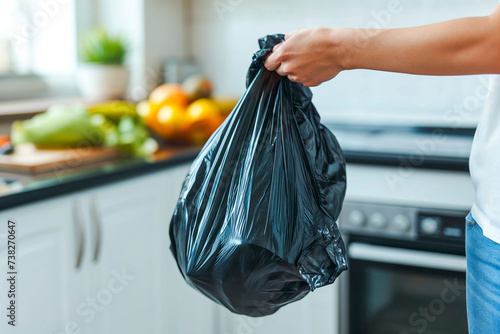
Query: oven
x=403 y=222
x=406 y=270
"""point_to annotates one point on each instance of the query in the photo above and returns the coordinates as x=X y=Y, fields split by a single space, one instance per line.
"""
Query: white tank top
x=485 y=165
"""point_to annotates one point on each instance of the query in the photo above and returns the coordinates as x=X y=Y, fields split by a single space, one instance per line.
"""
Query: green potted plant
x=102 y=74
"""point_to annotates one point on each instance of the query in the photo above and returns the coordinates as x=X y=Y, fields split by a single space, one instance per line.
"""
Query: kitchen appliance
x=407 y=270
x=403 y=222
x=178 y=69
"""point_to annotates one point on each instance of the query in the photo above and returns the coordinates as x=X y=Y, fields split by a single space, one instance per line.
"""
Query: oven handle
x=407 y=257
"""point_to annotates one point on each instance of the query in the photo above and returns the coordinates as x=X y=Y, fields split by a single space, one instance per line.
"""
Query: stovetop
x=421 y=146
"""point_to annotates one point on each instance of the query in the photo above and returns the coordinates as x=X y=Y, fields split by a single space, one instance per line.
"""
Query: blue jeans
x=483 y=281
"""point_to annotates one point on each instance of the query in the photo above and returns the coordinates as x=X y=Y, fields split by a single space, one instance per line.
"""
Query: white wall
x=225 y=32
x=155 y=30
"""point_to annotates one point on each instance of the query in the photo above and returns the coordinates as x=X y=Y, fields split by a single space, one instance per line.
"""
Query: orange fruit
x=149 y=113
x=202 y=119
x=4 y=139
x=170 y=120
x=169 y=94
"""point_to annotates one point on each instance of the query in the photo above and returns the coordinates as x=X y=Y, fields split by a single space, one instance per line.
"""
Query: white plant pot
x=102 y=82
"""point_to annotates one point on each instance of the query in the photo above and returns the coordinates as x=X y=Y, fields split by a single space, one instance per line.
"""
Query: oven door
x=402 y=291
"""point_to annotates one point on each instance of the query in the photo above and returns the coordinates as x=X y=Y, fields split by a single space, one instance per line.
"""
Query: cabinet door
x=123 y=268
x=44 y=254
x=316 y=313
x=132 y=278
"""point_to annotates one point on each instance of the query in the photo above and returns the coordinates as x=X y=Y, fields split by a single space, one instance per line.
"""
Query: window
x=37 y=47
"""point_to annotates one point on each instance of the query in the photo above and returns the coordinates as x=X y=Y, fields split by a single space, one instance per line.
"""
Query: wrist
x=345 y=50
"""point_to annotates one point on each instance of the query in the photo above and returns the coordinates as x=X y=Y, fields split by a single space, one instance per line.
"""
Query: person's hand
x=308 y=56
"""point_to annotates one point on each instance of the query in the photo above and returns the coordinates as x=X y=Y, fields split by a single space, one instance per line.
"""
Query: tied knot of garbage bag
x=255 y=225
x=267 y=45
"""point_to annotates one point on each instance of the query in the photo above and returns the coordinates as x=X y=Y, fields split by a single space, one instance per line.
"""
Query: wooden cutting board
x=28 y=159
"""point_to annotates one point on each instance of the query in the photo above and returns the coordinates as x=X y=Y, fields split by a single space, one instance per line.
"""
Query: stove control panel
x=399 y=222
x=402 y=223
x=429 y=225
x=446 y=226
x=356 y=218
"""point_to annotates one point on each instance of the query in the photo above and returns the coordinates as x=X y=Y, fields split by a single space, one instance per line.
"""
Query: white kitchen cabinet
x=122 y=270
x=98 y=261
x=316 y=313
x=131 y=219
x=128 y=271
x=44 y=238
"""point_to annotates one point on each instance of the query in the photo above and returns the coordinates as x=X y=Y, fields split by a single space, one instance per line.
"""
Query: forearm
x=458 y=47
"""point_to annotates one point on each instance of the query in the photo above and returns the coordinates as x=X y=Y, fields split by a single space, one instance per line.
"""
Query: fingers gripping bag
x=255 y=225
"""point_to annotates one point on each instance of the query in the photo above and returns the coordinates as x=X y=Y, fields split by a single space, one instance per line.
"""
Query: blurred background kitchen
x=104 y=104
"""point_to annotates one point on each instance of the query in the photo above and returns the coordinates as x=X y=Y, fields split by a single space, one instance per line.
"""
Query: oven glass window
x=394 y=299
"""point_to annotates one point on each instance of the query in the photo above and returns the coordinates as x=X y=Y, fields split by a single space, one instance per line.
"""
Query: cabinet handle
x=81 y=234
x=96 y=218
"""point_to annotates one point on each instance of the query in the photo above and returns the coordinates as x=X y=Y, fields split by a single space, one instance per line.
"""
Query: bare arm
x=457 y=47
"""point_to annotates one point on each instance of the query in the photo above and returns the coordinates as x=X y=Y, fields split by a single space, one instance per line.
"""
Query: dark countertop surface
x=19 y=189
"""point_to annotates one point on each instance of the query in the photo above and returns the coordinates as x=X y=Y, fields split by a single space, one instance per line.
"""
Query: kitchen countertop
x=20 y=189
x=382 y=146
x=429 y=147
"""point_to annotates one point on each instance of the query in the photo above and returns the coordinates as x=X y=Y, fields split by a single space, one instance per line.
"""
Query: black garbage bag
x=255 y=226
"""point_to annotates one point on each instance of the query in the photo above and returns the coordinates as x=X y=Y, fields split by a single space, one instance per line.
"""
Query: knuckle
x=279 y=59
x=292 y=68
x=281 y=54
x=280 y=72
